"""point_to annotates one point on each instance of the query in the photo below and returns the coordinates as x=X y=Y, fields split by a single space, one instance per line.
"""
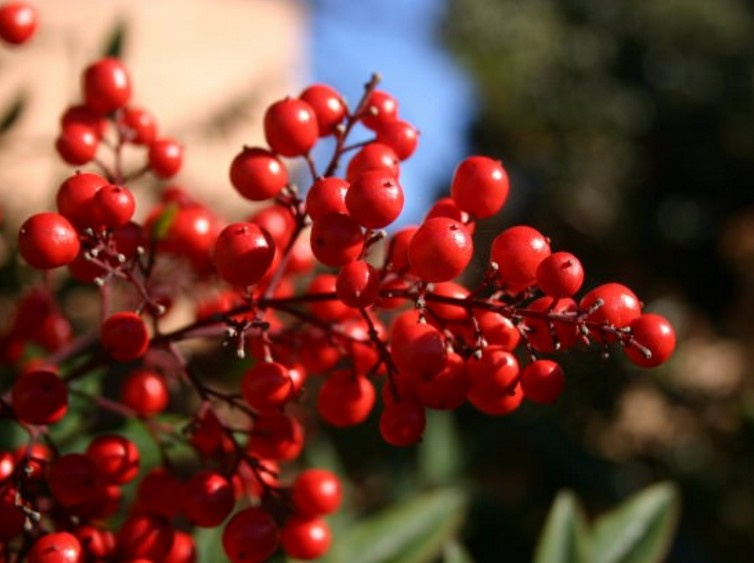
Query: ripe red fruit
x=124 y=336
x=183 y=550
x=328 y=106
x=400 y=136
x=480 y=186
x=74 y=479
x=290 y=127
x=137 y=125
x=106 y=85
x=375 y=199
x=276 y=436
x=402 y=422
x=48 y=240
x=75 y=198
x=326 y=196
x=358 y=284
x=82 y=115
x=329 y=310
x=656 y=334
x=278 y=221
x=145 y=535
x=418 y=350
x=542 y=381
x=619 y=307
x=336 y=239
x=191 y=234
x=267 y=386
x=445 y=311
x=59 y=547
x=494 y=373
x=117 y=458
x=251 y=536
x=560 y=274
x=446 y=390
x=207 y=499
x=77 y=144
x=305 y=538
x=243 y=253
x=157 y=492
x=96 y=543
x=165 y=157
x=380 y=109
x=397 y=251
x=345 y=399
x=518 y=252
x=18 y=22
x=447 y=207
x=145 y=392
x=257 y=174
x=497 y=405
x=114 y=205
x=538 y=332
x=374 y=156
x=440 y=250
x=316 y=492
x=39 y=397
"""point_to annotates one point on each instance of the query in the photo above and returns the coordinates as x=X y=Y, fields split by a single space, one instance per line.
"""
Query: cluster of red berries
x=336 y=318
x=18 y=22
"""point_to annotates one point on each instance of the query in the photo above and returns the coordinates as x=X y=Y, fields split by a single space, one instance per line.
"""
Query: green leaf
x=115 y=41
x=411 y=532
x=12 y=113
x=565 y=538
x=454 y=552
x=164 y=221
x=640 y=530
x=440 y=452
x=209 y=543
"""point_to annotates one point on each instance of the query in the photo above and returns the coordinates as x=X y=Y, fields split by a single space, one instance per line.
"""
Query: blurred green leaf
x=411 y=532
x=640 y=530
x=454 y=552
x=209 y=544
x=12 y=113
x=440 y=452
x=565 y=538
x=164 y=221
x=116 y=40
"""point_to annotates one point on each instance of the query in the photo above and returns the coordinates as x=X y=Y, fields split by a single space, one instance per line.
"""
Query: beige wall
x=196 y=64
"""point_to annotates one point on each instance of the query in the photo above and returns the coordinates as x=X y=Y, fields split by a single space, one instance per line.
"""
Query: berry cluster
x=330 y=310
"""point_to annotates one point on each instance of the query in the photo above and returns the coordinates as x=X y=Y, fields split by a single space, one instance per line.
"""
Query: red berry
x=117 y=458
x=419 y=350
x=447 y=207
x=497 y=405
x=137 y=125
x=145 y=392
x=480 y=186
x=440 y=250
x=7 y=465
x=39 y=397
x=290 y=127
x=345 y=399
x=18 y=22
x=276 y=436
x=375 y=199
x=96 y=543
x=445 y=390
x=165 y=157
x=60 y=547
x=400 y=136
x=12 y=517
x=329 y=310
x=316 y=492
x=328 y=106
x=358 y=284
x=278 y=221
x=183 y=550
x=494 y=373
x=336 y=239
x=74 y=479
x=560 y=274
x=48 y=240
x=402 y=423
x=654 y=333
x=207 y=499
x=257 y=174
x=374 y=156
x=398 y=249
x=445 y=311
x=267 y=386
x=106 y=85
x=243 y=253
x=380 y=109
x=125 y=336
x=145 y=535
x=77 y=144
x=538 y=331
x=157 y=492
x=114 y=205
x=518 y=252
x=618 y=306
x=542 y=381
x=305 y=538
x=82 y=115
x=326 y=196
x=251 y=536
x=75 y=198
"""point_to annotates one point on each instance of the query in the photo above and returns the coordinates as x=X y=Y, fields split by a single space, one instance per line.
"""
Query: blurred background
x=628 y=131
